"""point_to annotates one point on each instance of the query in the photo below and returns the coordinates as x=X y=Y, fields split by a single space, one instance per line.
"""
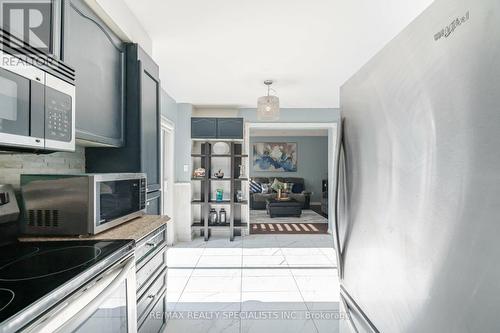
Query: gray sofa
x=258 y=200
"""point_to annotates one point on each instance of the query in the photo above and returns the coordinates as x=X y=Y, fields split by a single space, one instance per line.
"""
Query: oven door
x=117 y=201
x=22 y=106
x=107 y=303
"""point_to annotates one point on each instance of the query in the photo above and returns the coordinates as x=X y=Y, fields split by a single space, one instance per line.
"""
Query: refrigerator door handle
x=352 y=325
x=339 y=190
x=352 y=308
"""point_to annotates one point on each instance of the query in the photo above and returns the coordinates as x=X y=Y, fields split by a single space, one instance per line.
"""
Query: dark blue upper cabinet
x=149 y=107
x=204 y=128
x=98 y=56
x=216 y=128
x=230 y=128
x=141 y=152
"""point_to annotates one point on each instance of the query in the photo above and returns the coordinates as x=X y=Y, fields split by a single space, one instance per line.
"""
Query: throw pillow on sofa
x=255 y=187
x=266 y=188
x=298 y=188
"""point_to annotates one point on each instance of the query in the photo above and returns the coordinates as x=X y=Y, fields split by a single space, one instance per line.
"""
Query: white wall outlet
x=186 y=168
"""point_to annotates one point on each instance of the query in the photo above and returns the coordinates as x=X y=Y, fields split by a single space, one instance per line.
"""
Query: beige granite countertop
x=135 y=229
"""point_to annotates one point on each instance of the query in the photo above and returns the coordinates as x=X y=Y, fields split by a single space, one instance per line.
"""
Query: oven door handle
x=72 y=322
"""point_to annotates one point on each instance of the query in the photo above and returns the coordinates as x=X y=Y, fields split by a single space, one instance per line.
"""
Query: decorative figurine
x=219 y=174
x=199 y=173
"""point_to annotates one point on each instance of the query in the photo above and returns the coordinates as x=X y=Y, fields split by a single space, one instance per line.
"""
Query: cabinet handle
x=151 y=244
x=151 y=296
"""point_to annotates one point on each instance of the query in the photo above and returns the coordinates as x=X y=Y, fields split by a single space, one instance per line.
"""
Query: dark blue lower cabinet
x=153 y=203
x=157 y=318
x=151 y=277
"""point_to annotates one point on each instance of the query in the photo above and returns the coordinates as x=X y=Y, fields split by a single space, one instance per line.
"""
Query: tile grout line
x=187 y=280
x=281 y=245
x=241 y=282
x=298 y=288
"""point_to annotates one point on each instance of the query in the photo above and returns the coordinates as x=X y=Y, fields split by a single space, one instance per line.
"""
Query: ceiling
x=219 y=52
x=254 y=132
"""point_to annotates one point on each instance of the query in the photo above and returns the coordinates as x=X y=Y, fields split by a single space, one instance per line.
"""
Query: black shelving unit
x=236 y=157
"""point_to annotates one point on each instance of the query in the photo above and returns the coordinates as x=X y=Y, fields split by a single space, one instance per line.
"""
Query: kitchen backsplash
x=13 y=165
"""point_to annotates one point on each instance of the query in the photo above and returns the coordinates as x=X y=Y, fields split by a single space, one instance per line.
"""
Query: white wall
x=215 y=112
x=183 y=143
x=182 y=212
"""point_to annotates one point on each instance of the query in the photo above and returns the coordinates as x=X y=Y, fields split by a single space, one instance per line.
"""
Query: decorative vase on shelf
x=242 y=171
x=212 y=216
x=219 y=194
x=222 y=216
x=239 y=196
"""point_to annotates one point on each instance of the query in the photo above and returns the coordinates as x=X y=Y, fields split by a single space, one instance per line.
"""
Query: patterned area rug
x=309 y=223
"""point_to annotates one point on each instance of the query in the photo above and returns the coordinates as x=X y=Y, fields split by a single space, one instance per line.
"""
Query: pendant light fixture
x=268 y=107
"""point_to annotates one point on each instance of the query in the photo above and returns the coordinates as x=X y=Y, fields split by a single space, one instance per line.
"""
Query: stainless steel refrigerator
x=418 y=207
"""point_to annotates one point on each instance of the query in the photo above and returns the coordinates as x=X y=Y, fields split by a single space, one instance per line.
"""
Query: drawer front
x=156 y=319
x=151 y=295
x=150 y=245
x=158 y=262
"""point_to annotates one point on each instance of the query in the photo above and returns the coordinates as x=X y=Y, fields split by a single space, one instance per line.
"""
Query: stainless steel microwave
x=80 y=204
x=37 y=109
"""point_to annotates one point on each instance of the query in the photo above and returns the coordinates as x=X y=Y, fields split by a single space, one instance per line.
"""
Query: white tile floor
x=259 y=283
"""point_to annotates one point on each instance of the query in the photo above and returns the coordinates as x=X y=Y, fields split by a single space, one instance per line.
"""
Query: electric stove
x=35 y=276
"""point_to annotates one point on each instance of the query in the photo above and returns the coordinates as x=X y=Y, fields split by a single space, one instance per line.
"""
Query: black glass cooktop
x=31 y=270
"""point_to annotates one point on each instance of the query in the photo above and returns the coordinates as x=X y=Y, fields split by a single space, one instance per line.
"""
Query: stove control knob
x=4 y=198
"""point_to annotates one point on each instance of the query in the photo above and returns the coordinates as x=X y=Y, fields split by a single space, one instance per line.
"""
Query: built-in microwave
x=80 y=204
x=37 y=108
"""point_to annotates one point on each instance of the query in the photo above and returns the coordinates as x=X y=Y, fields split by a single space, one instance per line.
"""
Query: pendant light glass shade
x=268 y=107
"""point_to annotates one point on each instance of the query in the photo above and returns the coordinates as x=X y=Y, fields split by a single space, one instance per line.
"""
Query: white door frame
x=332 y=148
x=167 y=163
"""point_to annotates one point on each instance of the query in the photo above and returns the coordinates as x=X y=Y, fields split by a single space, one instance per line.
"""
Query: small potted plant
x=281 y=194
